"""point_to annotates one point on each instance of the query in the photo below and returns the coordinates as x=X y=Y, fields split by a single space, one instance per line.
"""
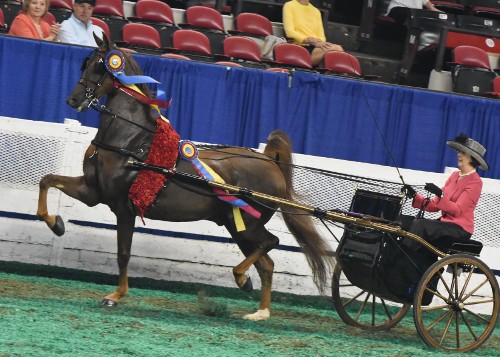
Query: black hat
x=90 y=2
x=469 y=146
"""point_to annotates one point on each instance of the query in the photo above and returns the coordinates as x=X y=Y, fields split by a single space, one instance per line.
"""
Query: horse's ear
x=98 y=40
x=104 y=43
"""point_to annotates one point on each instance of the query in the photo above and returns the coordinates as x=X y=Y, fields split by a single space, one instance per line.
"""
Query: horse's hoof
x=248 y=287
x=58 y=227
x=108 y=303
x=260 y=315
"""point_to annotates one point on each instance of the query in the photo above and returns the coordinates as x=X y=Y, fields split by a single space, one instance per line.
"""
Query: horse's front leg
x=75 y=187
x=125 y=231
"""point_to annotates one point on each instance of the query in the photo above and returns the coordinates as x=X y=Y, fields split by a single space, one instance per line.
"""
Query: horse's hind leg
x=256 y=254
x=72 y=186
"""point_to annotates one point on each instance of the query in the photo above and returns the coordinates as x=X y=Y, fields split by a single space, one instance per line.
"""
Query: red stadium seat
x=191 y=41
x=61 y=9
x=49 y=18
x=153 y=11
x=111 y=12
x=449 y=6
x=471 y=56
x=242 y=48
x=176 y=56
x=104 y=26
x=113 y=8
x=253 y=24
x=3 y=25
x=141 y=35
x=205 y=17
x=158 y=15
x=62 y=4
x=471 y=72
x=210 y=22
x=292 y=55
x=496 y=87
x=342 y=63
x=278 y=70
x=229 y=64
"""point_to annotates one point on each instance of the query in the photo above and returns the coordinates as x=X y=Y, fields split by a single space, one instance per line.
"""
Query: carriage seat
x=453 y=245
x=473 y=247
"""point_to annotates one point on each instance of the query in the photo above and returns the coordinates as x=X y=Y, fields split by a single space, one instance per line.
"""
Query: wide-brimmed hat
x=469 y=146
x=91 y=2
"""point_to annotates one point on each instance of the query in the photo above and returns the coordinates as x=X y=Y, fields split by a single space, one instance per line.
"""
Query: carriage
x=455 y=298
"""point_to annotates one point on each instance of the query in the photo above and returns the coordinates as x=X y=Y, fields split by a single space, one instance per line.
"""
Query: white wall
x=31 y=149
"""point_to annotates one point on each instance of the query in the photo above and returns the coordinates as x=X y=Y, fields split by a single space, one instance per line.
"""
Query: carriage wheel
x=360 y=308
x=464 y=308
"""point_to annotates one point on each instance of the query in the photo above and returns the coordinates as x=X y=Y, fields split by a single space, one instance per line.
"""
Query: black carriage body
x=379 y=262
x=376 y=262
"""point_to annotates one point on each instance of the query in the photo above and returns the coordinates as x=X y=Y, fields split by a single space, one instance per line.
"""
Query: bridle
x=91 y=87
x=90 y=91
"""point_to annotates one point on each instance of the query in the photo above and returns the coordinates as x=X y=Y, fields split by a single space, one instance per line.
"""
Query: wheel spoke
x=362 y=307
x=468 y=325
x=476 y=289
x=478 y=316
x=387 y=312
x=466 y=283
x=439 y=319
x=436 y=293
x=457 y=329
x=435 y=307
x=477 y=302
x=445 y=284
x=445 y=332
x=353 y=298
x=373 y=310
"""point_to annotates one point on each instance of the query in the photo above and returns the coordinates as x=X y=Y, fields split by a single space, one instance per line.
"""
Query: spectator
x=29 y=23
x=303 y=24
x=79 y=29
x=398 y=9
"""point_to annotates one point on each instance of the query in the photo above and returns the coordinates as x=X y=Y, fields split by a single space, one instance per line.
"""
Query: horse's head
x=96 y=80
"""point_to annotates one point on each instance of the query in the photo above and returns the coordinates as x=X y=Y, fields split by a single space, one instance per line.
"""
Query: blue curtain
x=324 y=116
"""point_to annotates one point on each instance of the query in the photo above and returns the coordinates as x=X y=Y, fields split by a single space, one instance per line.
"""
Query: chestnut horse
x=126 y=131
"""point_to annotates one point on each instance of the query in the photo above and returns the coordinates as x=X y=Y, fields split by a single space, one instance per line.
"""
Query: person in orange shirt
x=29 y=23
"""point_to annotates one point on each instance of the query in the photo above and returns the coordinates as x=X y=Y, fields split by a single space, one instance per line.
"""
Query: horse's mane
x=132 y=68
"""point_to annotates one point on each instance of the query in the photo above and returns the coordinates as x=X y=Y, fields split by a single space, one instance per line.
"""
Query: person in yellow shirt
x=303 y=25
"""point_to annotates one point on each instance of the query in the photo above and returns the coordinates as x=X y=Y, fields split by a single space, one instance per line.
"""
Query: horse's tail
x=301 y=225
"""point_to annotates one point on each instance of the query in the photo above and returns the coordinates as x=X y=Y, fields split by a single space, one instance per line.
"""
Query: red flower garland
x=163 y=152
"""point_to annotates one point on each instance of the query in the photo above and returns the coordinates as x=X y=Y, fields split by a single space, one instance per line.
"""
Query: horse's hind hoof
x=108 y=303
x=248 y=287
x=58 y=227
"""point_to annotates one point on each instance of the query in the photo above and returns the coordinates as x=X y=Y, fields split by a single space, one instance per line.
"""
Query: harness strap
x=121 y=151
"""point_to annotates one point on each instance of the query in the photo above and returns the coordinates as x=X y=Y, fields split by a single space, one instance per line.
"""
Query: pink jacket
x=459 y=200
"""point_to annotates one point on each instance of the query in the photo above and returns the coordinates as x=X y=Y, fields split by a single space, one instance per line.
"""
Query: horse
x=126 y=130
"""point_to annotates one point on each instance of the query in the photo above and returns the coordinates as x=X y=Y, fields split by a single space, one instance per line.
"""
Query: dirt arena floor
x=47 y=311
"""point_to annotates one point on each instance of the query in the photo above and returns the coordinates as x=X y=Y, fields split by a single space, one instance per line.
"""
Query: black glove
x=408 y=191
x=433 y=189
